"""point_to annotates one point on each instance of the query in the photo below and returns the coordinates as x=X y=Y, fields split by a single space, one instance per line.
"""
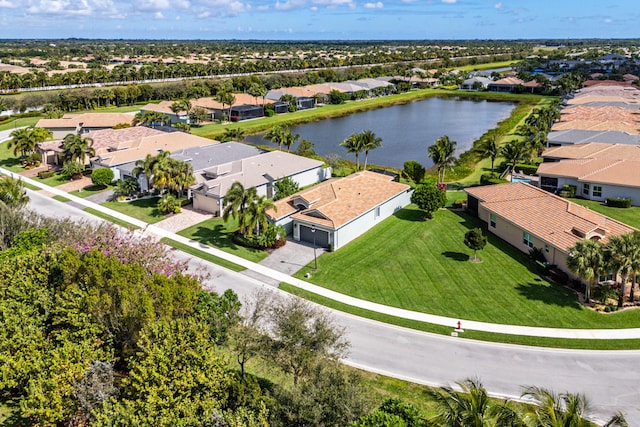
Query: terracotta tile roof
x=161 y=107
x=241 y=99
x=606 y=113
x=587 y=99
x=591 y=83
x=508 y=81
x=632 y=128
x=338 y=201
x=594 y=150
x=105 y=120
x=603 y=171
x=546 y=216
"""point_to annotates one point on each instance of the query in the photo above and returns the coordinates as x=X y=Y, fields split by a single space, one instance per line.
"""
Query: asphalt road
x=610 y=379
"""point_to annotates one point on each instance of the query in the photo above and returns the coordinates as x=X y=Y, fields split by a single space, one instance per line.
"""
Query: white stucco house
x=334 y=212
x=260 y=171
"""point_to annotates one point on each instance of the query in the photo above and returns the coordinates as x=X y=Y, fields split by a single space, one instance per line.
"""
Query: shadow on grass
x=217 y=236
x=409 y=214
x=11 y=162
x=456 y=256
x=550 y=295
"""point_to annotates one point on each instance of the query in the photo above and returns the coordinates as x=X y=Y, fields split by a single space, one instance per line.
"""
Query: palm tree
x=77 y=148
x=353 y=144
x=442 y=155
x=620 y=252
x=513 y=152
x=236 y=202
x=562 y=410
x=257 y=211
x=150 y=118
x=12 y=192
x=125 y=187
x=148 y=165
x=276 y=135
x=369 y=142
x=233 y=134
x=586 y=259
x=471 y=407
x=289 y=138
x=226 y=98
x=26 y=140
x=489 y=147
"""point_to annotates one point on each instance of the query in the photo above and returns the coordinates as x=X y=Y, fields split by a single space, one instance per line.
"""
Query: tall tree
x=489 y=148
x=353 y=144
x=620 y=252
x=77 y=148
x=369 y=142
x=442 y=153
x=289 y=138
x=513 y=152
x=586 y=259
x=25 y=140
x=236 y=205
x=276 y=135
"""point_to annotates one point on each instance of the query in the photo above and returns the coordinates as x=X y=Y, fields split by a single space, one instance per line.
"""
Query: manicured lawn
x=142 y=209
x=111 y=219
x=630 y=216
x=216 y=233
x=452 y=196
x=54 y=181
x=17 y=123
x=201 y=254
x=8 y=160
x=61 y=199
x=90 y=190
x=424 y=266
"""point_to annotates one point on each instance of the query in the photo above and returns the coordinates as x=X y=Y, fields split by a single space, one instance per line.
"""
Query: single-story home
x=594 y=178
x=260 y=171
x=164 y=107
x=476 y=83
x=507 y=84
x=579 y=136
x=83 y=123
x=528 y=217
x=334 y=212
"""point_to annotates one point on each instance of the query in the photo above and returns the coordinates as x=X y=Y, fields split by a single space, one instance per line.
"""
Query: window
x=527 y=239
x=492 y=221
x=597 y=191
x=585 y=189
x=606 y=278
x=546 y=248
x=377 y=213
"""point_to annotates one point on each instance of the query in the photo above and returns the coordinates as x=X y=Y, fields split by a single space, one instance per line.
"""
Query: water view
x=406 y=130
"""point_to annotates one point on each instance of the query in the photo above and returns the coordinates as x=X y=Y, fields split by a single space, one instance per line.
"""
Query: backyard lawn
x=630 y=216
x=142 y=209
x=216 y=233
x=424 y=266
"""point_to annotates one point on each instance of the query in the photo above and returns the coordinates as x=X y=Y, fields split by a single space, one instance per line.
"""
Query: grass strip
x=581 y=344
x=61 y=199
x=112 y=219
x=202 y=255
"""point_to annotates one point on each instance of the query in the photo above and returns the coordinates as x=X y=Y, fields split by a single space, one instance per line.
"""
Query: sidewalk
x=597 y=334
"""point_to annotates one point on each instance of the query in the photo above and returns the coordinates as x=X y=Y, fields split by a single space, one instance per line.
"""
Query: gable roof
x=551 y=218
x=601 y=171
x=577 y=136
x=594 y=150
x=162 y=107
x=338 y=201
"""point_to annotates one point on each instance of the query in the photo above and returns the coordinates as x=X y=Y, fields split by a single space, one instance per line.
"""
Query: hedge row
x=618 y=202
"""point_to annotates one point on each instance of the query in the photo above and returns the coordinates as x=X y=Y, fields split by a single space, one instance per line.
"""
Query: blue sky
x=319 y=19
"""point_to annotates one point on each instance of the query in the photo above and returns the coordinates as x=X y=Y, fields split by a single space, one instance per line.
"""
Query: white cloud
x=335 y=3
x=449 y=1
x=158 y=15
x=4 y=4
x=608 y=21
x=498 y=6
x=377 y=5
x=314 y=8
x=288 y=5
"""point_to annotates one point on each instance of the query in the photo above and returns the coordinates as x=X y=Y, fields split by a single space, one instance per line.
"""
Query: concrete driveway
x=290 y=258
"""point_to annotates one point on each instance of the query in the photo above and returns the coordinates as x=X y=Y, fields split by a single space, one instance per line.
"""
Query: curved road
x=610 y=379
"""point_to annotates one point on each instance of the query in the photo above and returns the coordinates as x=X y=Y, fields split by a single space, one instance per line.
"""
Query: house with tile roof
x=164 y=107
x=580 y=136
x=507 y=84
x=528 y=217
x=259 y=171
x=336 y=211
x=83 y=123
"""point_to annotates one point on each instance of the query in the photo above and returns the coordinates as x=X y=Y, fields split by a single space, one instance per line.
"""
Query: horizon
x=317 y=20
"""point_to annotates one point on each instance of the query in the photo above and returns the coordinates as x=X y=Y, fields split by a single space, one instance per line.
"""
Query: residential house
x=83 y=123
x=334 y=212
x=476 y=83
x=528 y=217
x=260 y=171
x=507 y=84
x=164 y=107
x=580 y=136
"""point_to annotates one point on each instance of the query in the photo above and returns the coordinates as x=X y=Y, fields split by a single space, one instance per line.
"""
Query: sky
x=319 y=19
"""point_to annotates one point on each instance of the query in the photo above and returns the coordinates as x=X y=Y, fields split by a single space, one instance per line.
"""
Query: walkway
x=601 y=334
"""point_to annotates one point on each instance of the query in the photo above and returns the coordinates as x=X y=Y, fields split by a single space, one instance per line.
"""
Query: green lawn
x=54 y=181
x=17 y=123
x=90 y=190
x=201 y=254
x=630 y=216
x=111 y=219
x=61 y=199
x=216 y=233
x=424 y=266
x=142 y=209
x=8 y=160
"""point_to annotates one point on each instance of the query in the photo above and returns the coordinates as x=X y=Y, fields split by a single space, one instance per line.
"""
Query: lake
x=406 y=130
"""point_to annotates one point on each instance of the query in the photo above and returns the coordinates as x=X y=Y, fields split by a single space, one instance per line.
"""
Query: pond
x=406 y=130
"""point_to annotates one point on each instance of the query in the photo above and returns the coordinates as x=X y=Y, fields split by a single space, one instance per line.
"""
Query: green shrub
x=102 y=177
x=457 y=204
x=527 y=169
x=568 y=191
x=603 y=293
x=73 y=170
x=169 y=204
x=271 y=237
x=619 y=202
x=487 y=179
x=45 y=174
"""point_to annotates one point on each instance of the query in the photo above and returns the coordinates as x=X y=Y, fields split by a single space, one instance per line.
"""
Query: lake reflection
x=406 y=130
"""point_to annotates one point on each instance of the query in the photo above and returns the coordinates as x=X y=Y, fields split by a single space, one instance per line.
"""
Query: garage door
x=322 y=237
